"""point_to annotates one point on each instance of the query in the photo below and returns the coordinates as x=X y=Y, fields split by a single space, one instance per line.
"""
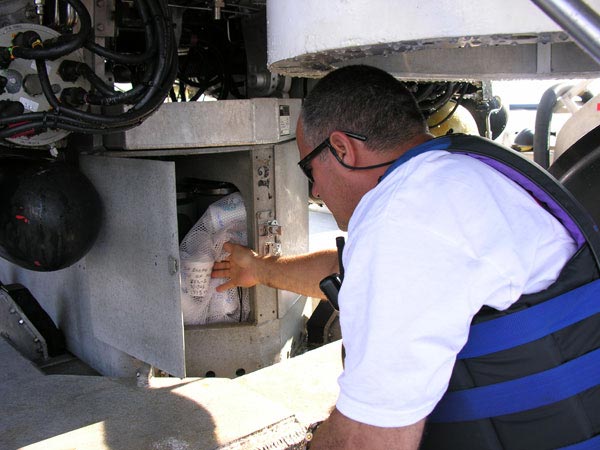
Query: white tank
x=456 y=39
x=578 y=125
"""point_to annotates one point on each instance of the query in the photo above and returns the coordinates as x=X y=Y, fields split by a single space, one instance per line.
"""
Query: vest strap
x=521 y=394
x=533 y=323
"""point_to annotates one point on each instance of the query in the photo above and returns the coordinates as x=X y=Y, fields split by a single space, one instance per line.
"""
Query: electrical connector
x=3 y=83
x=73 y=96
x=27 y=39
x=69 y=71
x=5 y=57
x=9 y=108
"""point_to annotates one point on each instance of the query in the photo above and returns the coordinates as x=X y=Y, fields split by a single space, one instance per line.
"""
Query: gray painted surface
x=211 y=124
x=65 y=296
x=133 y=271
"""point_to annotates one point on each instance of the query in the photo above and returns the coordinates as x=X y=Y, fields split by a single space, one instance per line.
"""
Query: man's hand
x=239 y=267
x=300 y=273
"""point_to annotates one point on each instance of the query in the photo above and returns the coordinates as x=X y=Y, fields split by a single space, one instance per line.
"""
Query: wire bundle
x=159 y=63
x=436 y=95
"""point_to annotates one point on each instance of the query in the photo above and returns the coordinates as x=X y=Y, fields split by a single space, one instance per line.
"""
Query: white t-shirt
x=440 y=236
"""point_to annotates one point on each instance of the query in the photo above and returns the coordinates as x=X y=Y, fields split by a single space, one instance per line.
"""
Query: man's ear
x=345 y=147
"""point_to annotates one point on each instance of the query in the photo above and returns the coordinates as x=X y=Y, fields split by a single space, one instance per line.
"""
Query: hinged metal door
x=133 y=268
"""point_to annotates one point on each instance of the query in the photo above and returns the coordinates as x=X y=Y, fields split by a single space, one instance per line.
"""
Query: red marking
x=22 y=133
x=597 y=106
x=23 y=218
x=37 y=263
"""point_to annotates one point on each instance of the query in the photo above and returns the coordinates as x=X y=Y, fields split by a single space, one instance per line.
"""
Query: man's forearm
x=300 y=274
x=341 y=433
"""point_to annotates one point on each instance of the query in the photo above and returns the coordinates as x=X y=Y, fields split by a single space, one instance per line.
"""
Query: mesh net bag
x=223 y=221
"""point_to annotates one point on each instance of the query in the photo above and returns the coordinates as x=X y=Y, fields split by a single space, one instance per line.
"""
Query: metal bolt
x=100 y=27
x=21 y=321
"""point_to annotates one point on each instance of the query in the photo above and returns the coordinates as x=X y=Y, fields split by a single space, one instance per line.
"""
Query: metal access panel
x=64 y=295
x=134 y=287
x=119 y=306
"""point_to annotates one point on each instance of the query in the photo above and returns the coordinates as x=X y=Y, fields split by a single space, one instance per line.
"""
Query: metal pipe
x=580 y=21
x=39 y=10
x=219 y=4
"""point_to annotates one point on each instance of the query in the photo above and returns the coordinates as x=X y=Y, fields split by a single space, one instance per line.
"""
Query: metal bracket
x=544 y=58
x=269 y=231
x=18 y=329
x=104 y=26
x=173 y=265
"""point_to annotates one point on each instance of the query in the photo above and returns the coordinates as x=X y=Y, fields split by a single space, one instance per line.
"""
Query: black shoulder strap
x=538 y=182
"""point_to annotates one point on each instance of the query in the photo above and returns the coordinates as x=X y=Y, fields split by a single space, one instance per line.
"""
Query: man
x=431 y=240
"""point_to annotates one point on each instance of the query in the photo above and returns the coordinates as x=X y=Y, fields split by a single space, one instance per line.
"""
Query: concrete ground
x=269 y=408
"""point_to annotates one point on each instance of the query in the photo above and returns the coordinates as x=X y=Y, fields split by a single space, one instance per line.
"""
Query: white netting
x=223 y=221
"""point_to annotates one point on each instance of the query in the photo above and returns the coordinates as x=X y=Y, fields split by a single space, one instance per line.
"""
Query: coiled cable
x=159 y=63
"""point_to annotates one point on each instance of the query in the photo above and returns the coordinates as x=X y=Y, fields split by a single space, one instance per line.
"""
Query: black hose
x=423 y=95
x=117 y=98
x=56 y=122
x=151 y=100
x=543 y=118
x=182 y=88
x=437 y=103
x=97 y=82
x=166 y=54
x=146 y=96
x=65 y=45
x=127 y=58
x=172 y=95
x=18 y=129
x=108 y=96
x=133 y=95
x=128 y=118
x=463 y=89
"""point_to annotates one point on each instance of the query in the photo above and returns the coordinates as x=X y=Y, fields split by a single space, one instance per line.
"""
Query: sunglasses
x=306 y=168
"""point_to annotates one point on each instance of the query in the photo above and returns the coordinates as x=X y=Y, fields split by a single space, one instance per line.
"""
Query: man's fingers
x=221 y=265
x=220 y=270
x=225 y=286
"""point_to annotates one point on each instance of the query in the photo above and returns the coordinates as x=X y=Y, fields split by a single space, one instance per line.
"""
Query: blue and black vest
x=528 y=377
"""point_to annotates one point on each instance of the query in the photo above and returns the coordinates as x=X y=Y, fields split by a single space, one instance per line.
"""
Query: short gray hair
x=364 y=100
